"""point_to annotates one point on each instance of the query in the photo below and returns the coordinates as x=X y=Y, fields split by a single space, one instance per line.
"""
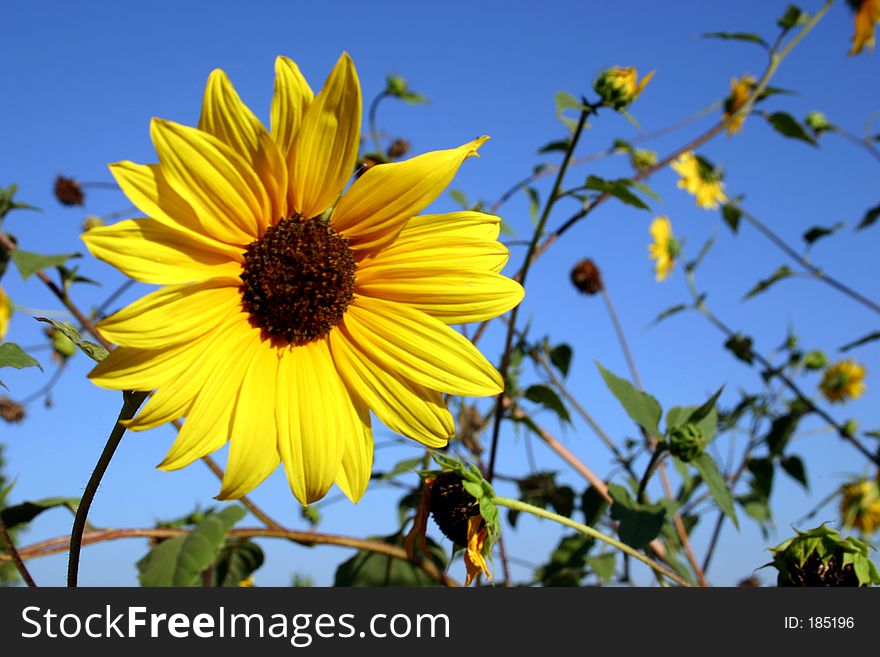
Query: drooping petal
x=174 y=315
x=217 y=183
x=315 y=418
x=151 y=252
x=226 y=117
x=208 y=422
x=253 y=450
x=387 y=196
x=402 y=405
x=419 y=347
x=325 y=149
x=357 y=461
x=289 y=104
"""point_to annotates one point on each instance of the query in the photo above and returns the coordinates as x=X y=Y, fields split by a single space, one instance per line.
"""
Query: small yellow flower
x=867 y=16
x=474 y=559
x=860 y=505
x=620 y=86
x=740 y=90
x=5 y=313
x=665 y=247
x=845 y=379
x=700 y=179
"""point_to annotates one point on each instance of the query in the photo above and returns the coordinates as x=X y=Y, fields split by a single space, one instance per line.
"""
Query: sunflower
x=740 y=90
x=844 y=379
x=867 y=16
x=701 y=179
x=620 y=86
x=5 y=313
x=860 y=505
x=665 y=247
x=291 y=310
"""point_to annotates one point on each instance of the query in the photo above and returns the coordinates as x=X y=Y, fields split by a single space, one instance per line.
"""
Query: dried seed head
x=586 y=277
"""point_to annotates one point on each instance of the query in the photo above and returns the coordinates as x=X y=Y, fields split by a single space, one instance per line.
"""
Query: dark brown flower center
x=298 y=279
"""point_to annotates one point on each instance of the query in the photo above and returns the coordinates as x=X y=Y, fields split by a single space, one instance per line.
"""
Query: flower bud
x=619 y=87
x=687 y=443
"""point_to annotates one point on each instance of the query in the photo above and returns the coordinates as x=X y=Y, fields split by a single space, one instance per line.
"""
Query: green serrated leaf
x=91 y=349
x=11 y=355
x=30 y=263
x=870 y=217
x=717 y=485
x=20 y=514
x=547 y=397
x=783 y=272
x=788 y=126
x=640 y=406
x=561 y=356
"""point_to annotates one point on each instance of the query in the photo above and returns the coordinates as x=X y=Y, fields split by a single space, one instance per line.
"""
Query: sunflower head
x=296 y=302
x=860 y=505
x=701 y=178
x=867 y=17
x=740 y=90
x=843 y=380
x=619 y=86
x=665 y=248
x=822 y=557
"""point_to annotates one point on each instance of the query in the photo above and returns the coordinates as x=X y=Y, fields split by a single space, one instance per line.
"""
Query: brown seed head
x=68 y=191
x=586 y=277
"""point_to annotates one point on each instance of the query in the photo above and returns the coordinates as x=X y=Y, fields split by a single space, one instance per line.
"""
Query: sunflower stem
x=132 y=401
x=593 y=533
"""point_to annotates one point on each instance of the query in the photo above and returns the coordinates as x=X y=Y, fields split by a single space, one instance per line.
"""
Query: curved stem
x=649 y=470
x=593 y=533
x=6 y=539
x=374 y=132
x=132 y=402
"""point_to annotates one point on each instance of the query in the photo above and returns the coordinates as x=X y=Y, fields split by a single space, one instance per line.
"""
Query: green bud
x=850 y=427
x=815 y=360
x=818 y=123
x=62 y=345
x=395 y=85
x=90 y=222
x=687 y=443
x=642 y=158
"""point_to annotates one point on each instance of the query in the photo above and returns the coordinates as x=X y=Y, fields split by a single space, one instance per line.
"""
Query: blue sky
x=82 y=80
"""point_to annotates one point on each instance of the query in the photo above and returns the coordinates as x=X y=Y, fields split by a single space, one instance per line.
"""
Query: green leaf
x=565 y=101
x=619 y=189
x=91 y=349
x=792 y=17
x=794 y=468
x=870 y=217
x=762 y=475
x=372 y=569
x=788 y=126
x=816 y=233
x=20 y=514
x=603 y=566
x=238 y=560
x=703 y=411
x=534 y=203
x=678 y=416
x=567 y=562
x=181 y=562
x=593 y=506
x=11 y=355
x=547 y=397
x=669 y=312
x=460 y=198
x=560 y=356
x=401 y=467
x=738 y=36
x=640 y=406
x=717 y=485
x=741 y=347
x=783 y=272
x=540 y=489
x=639 y=523
x=561 y=145
x=30 y=263
x=782 y=429
x=731 y=214
x=863 y=340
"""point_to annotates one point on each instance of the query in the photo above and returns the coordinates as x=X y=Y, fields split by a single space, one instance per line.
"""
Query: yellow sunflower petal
x=217 y=183
x=289 y=104
x=419 y=347
x=325 y=149
x=253 y=450
x=151 y=252
x=380 y=202
x=208 y=423
x=401 y=405
x=357 y=461
x=315 y=418
x=127 y=368
x=467 y=224
x=451 y=252
x=226 y=117
x=173 y=314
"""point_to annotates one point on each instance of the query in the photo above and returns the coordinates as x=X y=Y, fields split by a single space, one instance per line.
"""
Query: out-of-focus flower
x=860 y=505
x=68 y=191
x=843 y=380
x=867 y=16
x=665 y=247
x=701 y=179
x=620 y=86
x=740 y=90
x=10 y=410
x=586 y=277
x=291 y=310
x=5 y=313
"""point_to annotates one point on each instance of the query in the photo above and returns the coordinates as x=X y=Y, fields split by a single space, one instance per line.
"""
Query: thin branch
x=6 y=539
